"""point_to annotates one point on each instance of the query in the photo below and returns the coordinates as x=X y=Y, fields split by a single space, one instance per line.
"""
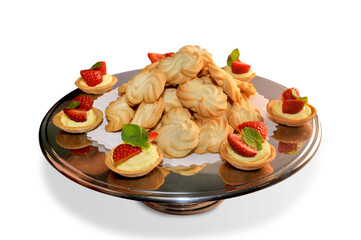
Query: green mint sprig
x=252 y=138
x=98 y=64
x=135 y=135
x=73 y=104
x=233 y=57
x=295 y=95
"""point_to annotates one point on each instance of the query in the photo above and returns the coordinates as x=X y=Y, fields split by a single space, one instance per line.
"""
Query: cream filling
x=277 y=110
x=140 y=161
x=90 y=115
x=242 y=75
x=261 y=155
x=106 y=79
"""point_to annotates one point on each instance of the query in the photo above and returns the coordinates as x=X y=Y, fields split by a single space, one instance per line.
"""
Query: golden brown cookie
x=212 y=132
x=226 y=81
x=146 y=86
x=170 y=99
x=118 y=113
x=148 y=114
x=178 y=134
x=181 y=67
x=242 y=111
x=207 y=100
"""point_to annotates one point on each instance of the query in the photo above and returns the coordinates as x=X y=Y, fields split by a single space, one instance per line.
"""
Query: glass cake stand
x=177 y=190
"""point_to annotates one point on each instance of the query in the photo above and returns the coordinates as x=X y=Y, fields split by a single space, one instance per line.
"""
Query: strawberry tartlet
x=79 y=117
x=248 y=150
x=137 y=156
x=291 y=110
x=96 y=80
x=239 y=70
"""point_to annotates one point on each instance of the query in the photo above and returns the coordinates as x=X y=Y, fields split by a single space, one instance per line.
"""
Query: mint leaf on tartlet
x=135 y=135
x=303 y=99
x=97 y=64
x=73 y=104
x=233 y=57
x=252 y=138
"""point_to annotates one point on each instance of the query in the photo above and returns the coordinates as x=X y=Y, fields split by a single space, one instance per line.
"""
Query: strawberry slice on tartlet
x=136 y=156
x=248 y=150
x=95 y=80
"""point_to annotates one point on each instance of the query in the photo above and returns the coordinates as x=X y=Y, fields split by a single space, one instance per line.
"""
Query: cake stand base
x=183 y=209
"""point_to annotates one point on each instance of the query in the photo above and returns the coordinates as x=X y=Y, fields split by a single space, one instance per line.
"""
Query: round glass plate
x=175 y=190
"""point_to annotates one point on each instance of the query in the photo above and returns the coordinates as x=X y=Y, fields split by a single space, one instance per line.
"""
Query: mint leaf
x=294 y=93
x=98 y=64
x=252 y=138
x=73 y=105
x=233 y=57
x=135 y=135
x=305 y=99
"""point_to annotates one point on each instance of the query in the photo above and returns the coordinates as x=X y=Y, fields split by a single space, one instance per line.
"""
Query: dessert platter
x=182 y=134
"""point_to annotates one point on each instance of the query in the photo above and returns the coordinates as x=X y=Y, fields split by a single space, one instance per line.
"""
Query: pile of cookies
x=187 y=99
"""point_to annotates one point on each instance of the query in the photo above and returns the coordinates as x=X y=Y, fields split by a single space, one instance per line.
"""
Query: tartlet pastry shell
x=99 y=118
x=244 y=165
x=131 y=174
x=96 y=89
x=287 y=121
x=72 y=141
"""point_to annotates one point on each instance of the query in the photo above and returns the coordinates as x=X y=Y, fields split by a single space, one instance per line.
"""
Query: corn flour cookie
x=178 y=134
x=146 y=86
x=205 y=99
x=148 y=114
x=181 y=67
x=212 y=132
x=226 y=81
x=242 y=111
x=170 y=99
x=118 y=113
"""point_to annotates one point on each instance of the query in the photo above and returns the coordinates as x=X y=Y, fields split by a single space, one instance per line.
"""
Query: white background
x=311 y=45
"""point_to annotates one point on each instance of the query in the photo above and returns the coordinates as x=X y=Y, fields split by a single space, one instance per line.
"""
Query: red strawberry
x=169 y=54
x=287 y=94
x=91 y=77
x=76 y=114
x=287 y=147
x=102 y=68
x=152 y=136
x=292 y=106
x=239 y=146
x=86 y=102
x=80 y=151
x=240 y=67
x=155 y=57
x=257 y=125
x=125 y=151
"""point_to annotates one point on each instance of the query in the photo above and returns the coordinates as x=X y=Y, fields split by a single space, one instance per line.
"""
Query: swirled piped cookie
x=212 y=132
x=118 y=113
x=242 y=111
x=206 y=99
x=170 y=99
x=148 y=114
x=181 y=67
x=207 y=57
x=178 y=134
x=146 y=86
x=226 y=81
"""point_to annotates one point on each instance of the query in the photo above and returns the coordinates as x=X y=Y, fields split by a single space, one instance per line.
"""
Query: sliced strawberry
x=91 y=77
x=287 y=94
x=155 y=57
x=86 y=102
x=287 y=147
x=125 y=151
x=102 y=67
x=240 y=67
x=169 y=54
x=256 y=125
x=152 y=136
x=239 y=146
x=292 y=106
x=80 y=151
x=76 y=114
